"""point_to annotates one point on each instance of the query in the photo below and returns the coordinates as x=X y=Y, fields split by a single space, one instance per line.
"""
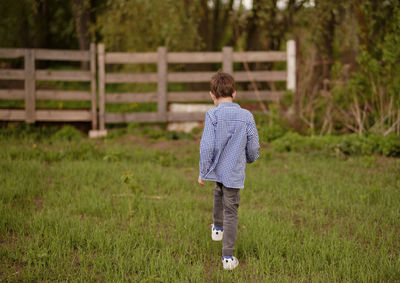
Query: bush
x=351 y=144
x=270 y=127
x=289 y=142
x=68 y=133
x=24 y=131
x=348 y=144
x=372 y=144
x=272 y=132
x=390 y=145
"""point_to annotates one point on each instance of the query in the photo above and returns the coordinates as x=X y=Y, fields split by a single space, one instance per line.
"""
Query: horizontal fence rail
x=162 y=58
x=227 y=57
x=30 y=75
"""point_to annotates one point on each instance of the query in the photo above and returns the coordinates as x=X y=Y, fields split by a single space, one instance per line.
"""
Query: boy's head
x=222 y=85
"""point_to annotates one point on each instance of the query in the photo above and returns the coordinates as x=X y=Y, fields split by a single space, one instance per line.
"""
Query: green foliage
x=68 y=133
x=289 y=142
x=45 y=24
x=353 y=144
x=370 y=99
x=390 y=145
x=23 y=131
x=268 y=133
x=145 y=25
x=270 y=126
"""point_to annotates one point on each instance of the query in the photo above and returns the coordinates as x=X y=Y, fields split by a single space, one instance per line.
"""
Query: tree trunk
x=253 y=35
x=80 y=11
x=42 y=24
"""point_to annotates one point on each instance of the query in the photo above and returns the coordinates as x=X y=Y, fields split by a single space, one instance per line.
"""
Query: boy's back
x=229 y=140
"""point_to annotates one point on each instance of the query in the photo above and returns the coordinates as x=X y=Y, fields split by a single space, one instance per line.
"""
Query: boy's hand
x=200 y=181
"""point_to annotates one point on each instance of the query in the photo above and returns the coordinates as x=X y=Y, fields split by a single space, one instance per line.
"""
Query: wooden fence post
x=227 y=60
x=29 y=62
x=101 y=74
x=93 y=84
x=162 y=83
x=291 y=64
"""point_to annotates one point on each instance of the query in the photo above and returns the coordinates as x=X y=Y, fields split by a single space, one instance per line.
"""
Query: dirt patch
x=38 y=203
x=8 y=240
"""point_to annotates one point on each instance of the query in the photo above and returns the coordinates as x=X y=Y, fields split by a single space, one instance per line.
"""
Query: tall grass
x=123 y=210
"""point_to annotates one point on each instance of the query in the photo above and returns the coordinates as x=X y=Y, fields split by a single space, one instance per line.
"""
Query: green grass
x=129 y=209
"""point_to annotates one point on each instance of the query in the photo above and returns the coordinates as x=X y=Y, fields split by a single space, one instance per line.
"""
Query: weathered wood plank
x=227 y=64
x=12 y=74
x=190 y=77
x=191 y=96
x=131 y=78
x=12 y=115
x=291 y=65
x=259 y=56
x=260 y=76
x=131 y=117
x=63 y=115
x=185 y=117
x=93 y=95
x=132 y=97
x=63 y=95
x=101 y=82
x=130 y=58
x=263 y=94
x=47 y=75
x=30 y=86
x=62 y=55
x=162 y=70
x=194 y=57
x=189 y=107
x=12 y=94
x=239 y=76
x=152 y=117
x=12 y=52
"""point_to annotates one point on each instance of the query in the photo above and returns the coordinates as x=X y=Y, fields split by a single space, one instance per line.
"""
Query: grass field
x=129 y=208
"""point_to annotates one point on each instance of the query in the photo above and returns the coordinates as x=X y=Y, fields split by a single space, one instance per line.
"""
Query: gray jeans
x=226 y=204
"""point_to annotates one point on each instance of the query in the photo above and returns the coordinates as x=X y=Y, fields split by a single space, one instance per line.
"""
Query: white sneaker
x=216 y=234
x=230 y=263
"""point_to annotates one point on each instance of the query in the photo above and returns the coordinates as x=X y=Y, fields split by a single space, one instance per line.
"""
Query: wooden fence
x=162 y=77
x=162 y=58
x=30 y=94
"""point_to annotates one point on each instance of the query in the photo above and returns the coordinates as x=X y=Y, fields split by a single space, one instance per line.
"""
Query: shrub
x=68 y=133
x=348 y=144
x=390 y=145
x=289 y=142
x=270 y=127
x=269 y=133
x=351 y=144
x=371 y=144
x=24 y=131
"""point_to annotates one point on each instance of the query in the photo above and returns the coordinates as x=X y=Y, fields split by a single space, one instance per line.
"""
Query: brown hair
x=222 y=85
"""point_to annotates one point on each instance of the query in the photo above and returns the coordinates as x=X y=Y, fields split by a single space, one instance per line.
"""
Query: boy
x=229 y=140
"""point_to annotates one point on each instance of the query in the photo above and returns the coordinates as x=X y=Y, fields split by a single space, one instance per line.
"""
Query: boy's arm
x=253 y=145
x=206 y=146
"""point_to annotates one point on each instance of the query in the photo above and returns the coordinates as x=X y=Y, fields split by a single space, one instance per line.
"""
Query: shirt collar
x=228 y=104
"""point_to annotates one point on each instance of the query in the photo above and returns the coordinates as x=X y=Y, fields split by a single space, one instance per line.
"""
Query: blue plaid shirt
x=229 y=140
